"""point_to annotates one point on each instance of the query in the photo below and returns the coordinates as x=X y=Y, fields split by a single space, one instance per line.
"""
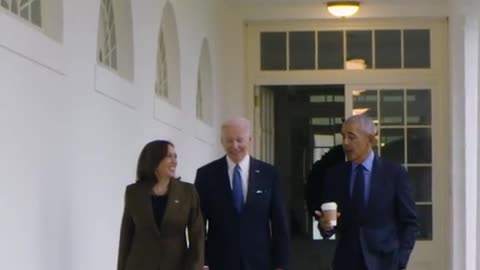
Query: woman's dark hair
x=152 y=154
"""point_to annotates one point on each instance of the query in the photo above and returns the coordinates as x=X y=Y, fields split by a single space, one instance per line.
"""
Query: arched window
x=114 y=72
x=167 y=84
x=107 y=50
x=161 y=85
x=115 y=37
x=204 y=85
x=30 y=10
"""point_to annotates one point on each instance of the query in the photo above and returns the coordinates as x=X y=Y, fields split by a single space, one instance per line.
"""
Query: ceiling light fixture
x=343 y=8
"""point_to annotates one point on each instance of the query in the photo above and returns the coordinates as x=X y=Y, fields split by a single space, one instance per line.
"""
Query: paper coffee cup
x=329 y=209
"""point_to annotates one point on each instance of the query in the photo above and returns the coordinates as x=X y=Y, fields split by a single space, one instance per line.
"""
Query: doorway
x=298 y=124
x=307 y=121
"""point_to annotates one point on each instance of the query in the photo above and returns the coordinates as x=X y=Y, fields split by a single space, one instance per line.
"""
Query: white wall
x=464 y=74
x=34 y=164
x=233 y=58
x=68 y=150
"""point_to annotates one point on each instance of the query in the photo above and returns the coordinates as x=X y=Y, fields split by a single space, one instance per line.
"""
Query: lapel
x=147 y=202
x=224 y=184
x=375 y=182
x=252 y=180
x=173 y=194
x=345 y=185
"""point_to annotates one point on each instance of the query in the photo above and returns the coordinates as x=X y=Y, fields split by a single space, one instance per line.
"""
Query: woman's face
x=168 y=165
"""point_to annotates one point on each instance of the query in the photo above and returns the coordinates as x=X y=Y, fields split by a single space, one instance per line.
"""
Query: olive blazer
x=146 y=246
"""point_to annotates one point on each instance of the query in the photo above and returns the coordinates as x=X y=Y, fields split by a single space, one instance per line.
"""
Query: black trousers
x=358 y=257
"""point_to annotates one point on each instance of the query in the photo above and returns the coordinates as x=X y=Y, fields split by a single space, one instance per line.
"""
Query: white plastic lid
x=329 y=206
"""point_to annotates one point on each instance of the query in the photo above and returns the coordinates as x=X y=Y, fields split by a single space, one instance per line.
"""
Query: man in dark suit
x=241 y=200
x=377 y=219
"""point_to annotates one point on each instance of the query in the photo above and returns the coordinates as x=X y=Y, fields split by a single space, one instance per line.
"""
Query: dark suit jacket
x=145 y=246
x=388 y=230
x=316 y=177
x=256 y=238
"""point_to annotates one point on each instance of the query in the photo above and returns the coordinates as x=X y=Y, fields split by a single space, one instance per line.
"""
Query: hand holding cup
x=328 y=216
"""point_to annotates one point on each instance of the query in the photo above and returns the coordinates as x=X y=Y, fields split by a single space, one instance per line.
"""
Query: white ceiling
x=302 y=2
x=273 y=10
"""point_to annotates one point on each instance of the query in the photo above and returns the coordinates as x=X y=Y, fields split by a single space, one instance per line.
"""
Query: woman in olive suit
x=158 y=210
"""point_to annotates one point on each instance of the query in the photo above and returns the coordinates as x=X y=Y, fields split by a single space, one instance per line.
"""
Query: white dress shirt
x=244 y=169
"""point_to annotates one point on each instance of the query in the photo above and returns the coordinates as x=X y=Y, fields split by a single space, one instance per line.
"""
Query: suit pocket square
x=259 y=191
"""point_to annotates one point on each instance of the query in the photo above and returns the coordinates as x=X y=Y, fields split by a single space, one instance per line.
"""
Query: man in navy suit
x=241 y=200
x=377 y=222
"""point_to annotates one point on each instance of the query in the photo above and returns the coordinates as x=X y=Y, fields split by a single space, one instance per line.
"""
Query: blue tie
x=237 y=188
x=358 y=193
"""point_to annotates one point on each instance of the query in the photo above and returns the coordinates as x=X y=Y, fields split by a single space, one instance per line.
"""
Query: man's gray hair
x=364 y=121
x=239 y=122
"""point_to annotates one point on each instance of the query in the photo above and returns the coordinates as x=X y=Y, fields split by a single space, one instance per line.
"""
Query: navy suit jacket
x=388 y=228
x=256 y=238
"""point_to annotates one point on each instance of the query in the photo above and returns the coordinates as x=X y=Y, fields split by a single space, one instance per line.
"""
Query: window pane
x=391 y=106
x=323 y=141
x=421 y=180
x=14 y=6
x=326 y=98
x=365 y=101
x=322 y=121
x=330 y=50
x=273 y=50
x=36 y=13
x=107 y=35
x=110 y=17
x=419 y=107
x=359 y=48
x=419 y=145
x=388 y=49
x=417 y=48
x=424 y=219
x=392 y=143
x=302 y=50
x=114 y=58
x=113 y=38
x=4 y=4
x=100 y=55
x=24 y=13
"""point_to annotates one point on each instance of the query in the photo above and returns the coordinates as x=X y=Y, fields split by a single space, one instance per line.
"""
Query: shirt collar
x=367 y=163
x=244 y=163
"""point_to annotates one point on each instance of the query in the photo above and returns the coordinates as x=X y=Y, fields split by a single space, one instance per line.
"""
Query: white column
x=464 y=32
x=471 y=138
x=478 y=149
